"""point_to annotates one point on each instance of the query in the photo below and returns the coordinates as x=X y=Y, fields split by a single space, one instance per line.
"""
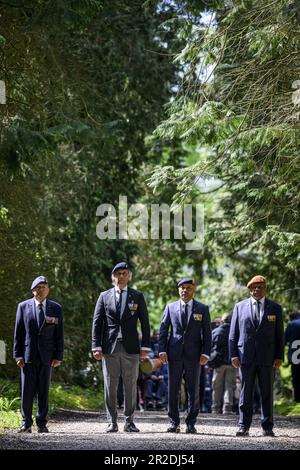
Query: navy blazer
x=263 y=345
x=106 y=322
x=30 y=341
x=192 y=342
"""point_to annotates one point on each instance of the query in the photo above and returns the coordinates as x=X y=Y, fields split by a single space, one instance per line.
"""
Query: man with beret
x=256 y=346
x=38 y=346
x=115 y=341
x=185 y=344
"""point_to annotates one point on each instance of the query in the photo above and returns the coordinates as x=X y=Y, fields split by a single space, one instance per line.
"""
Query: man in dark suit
x=256 y=346
x=292 y=338
x=116 y=342
x=38 y=346
x=185 y=349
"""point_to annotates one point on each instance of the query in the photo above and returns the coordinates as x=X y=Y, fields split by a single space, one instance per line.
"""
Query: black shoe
x=112 y=427
x=190 y=429
x=131 y=427
x=24 y=428
x=173 y=428
x=242 y=432
x=268 y=433
x=43 y=429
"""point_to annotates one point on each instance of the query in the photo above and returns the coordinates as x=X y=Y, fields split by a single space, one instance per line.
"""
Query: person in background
x=224 y=375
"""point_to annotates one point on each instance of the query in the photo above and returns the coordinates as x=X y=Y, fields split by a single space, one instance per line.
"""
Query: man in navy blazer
x=38 y=346
x=256 y=346
x=185 y=349
x=115 y=340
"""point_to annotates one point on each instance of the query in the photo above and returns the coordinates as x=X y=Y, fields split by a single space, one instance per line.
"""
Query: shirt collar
x=261 y=301
x=183 y=304
x=117 y=289
x=38 y=303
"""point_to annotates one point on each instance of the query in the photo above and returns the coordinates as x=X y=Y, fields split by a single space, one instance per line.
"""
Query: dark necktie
x=185 y=316
x=41 y=315
x=119 y=303
x=257 y=314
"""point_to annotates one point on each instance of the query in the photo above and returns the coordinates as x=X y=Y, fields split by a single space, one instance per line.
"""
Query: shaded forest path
x=85 y=430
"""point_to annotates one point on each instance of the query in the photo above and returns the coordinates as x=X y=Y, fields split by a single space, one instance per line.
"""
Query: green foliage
x=236 y=100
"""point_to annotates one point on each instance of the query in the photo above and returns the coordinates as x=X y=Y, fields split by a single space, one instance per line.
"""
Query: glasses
x=258 y=286
x=120 y=273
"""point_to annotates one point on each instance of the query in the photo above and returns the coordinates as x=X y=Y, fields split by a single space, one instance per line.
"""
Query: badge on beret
x=51 y=320
x=271 y=317
x=198 y=316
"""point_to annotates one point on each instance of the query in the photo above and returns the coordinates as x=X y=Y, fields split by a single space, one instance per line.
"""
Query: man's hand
x=55 y=363
x=21 y=363
x=98 y=355
x=203 y=360
x=277 y=363
x=144 y=354
x=164 y=358
x=236 y=362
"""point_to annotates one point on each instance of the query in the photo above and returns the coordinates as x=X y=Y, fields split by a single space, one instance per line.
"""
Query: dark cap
x=39 y=280
x=121 y=265
x=187 y=280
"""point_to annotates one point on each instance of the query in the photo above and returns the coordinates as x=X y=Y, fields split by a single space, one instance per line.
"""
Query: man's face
x=258 y=290
x=121 y=278
x=40 y=292
x=186 y=292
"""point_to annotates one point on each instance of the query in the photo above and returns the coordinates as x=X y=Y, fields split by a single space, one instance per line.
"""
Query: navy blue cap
x=39 y=280
x=186 y=280
x=121 y=265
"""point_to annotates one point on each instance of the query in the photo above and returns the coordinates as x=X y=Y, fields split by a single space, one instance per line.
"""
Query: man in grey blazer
x=115 y=341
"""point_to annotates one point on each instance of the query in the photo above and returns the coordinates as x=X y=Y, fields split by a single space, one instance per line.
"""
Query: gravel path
x=83 y=430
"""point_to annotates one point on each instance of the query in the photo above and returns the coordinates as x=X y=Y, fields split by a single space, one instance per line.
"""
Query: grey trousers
x=223 y=386
x=120 y=363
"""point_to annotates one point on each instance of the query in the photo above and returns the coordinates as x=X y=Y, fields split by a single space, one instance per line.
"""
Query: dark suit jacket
x=30 y=341
x=192 y=342
x=262 y=345
x=106 y=322
x=219 y=348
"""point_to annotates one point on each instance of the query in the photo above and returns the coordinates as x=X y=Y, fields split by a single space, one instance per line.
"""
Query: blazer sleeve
x=234 y=334
x=164 y=330
x=98 y=323
x=144 y=320
x=19 y=334
x=279 y=340
x=59 y=336
x=206 y=326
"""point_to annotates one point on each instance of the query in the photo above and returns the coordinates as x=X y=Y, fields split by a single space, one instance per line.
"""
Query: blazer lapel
x=251 y=312
x=266 y=311
x=31 y=311
x=179 y=312
x=128 y=299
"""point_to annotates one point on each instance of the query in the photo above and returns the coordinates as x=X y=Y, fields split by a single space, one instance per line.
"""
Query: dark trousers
x=296 y=381
x=191 y=371
x=265 y=375
x=35 y=382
